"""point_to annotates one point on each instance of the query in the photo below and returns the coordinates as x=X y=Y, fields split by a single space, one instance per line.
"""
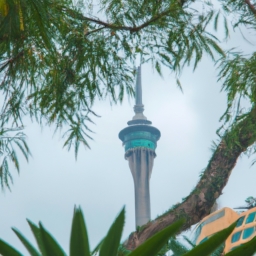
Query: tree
x=56 y=59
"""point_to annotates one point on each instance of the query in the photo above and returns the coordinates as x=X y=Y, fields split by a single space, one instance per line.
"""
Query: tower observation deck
x=140 y=141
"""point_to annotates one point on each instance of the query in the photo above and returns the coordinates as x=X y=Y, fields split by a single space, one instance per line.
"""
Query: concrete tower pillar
x=141 y=163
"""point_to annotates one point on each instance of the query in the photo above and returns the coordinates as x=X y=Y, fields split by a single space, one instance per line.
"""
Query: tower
x=140 y=141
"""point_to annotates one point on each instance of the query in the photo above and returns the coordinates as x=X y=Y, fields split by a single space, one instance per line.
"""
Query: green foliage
x=11 y=139
x=26 y=243
x=110 y=245
x=251 y=201
x=154 y=244
x=79 y=243
x=212 y=243
x=175 y=246
x=179 y=249
x=112 y=240
x=6 y=249
x=238 y=72
x=56 y=59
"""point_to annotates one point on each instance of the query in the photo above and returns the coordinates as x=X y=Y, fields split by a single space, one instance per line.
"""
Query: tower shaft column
x=141 y=163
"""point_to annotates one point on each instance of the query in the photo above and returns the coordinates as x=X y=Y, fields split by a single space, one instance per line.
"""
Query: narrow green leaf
x=37 y=234
x=154 y=244
x=112 y=240
x=97 y=248
x=52 y=248
x=7 y=250
x=26 y=243
x=247 y=249
x=158 y=68
x=212 y=243
x=226 y=28
x=79 y=244
x=179 y=85
x=41 y=22
x=216 y=20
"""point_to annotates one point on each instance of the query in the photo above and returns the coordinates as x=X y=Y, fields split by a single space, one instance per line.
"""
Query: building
x=140 y=141
x=244 y=231
x=213 y=223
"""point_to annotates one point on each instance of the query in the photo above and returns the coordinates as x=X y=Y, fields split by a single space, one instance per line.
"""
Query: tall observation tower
x=140 y=141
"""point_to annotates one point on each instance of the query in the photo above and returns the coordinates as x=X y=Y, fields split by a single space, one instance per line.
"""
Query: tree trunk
x=215 y=177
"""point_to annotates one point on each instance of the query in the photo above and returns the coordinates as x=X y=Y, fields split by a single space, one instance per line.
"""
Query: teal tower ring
x=139 y=135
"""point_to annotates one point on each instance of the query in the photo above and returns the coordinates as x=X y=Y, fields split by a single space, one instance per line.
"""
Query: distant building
x=140 y=141
x=244 y=231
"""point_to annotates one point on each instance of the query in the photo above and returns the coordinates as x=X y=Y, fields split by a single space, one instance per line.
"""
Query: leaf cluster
x=10 y=140
x=110 y=245
x=57 y=59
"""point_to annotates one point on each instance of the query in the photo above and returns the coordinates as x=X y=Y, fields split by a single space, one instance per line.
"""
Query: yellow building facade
x=218 y=220
x=244 y=230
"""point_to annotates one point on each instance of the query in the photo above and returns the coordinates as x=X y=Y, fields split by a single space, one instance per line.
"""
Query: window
x=207 y=221
x=236 y=237
x=250 y=217
x=240 y=221
x=248 y=232
x=214 y=217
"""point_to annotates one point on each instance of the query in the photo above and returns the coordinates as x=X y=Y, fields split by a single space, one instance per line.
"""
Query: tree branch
x=116 y=27
x=215 y=177
x=251 y=6
x=94 y=31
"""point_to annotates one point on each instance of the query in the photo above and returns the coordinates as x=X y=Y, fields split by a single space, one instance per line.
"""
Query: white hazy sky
x=100 y=180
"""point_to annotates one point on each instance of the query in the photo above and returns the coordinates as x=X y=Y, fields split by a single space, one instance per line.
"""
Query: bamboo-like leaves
x=237 y=72
x=9 y=143
x=63 y=58
x=41 y=19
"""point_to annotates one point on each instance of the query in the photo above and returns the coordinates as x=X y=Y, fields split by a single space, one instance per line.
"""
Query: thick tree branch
x=131 y=29
x=199 y=203
x=117 y=27
x=251 y=6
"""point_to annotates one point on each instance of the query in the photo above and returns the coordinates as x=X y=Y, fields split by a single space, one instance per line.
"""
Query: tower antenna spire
x=139 y=107
x=138 y=87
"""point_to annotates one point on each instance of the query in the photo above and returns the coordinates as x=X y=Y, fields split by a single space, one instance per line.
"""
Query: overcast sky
x=100 y=180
